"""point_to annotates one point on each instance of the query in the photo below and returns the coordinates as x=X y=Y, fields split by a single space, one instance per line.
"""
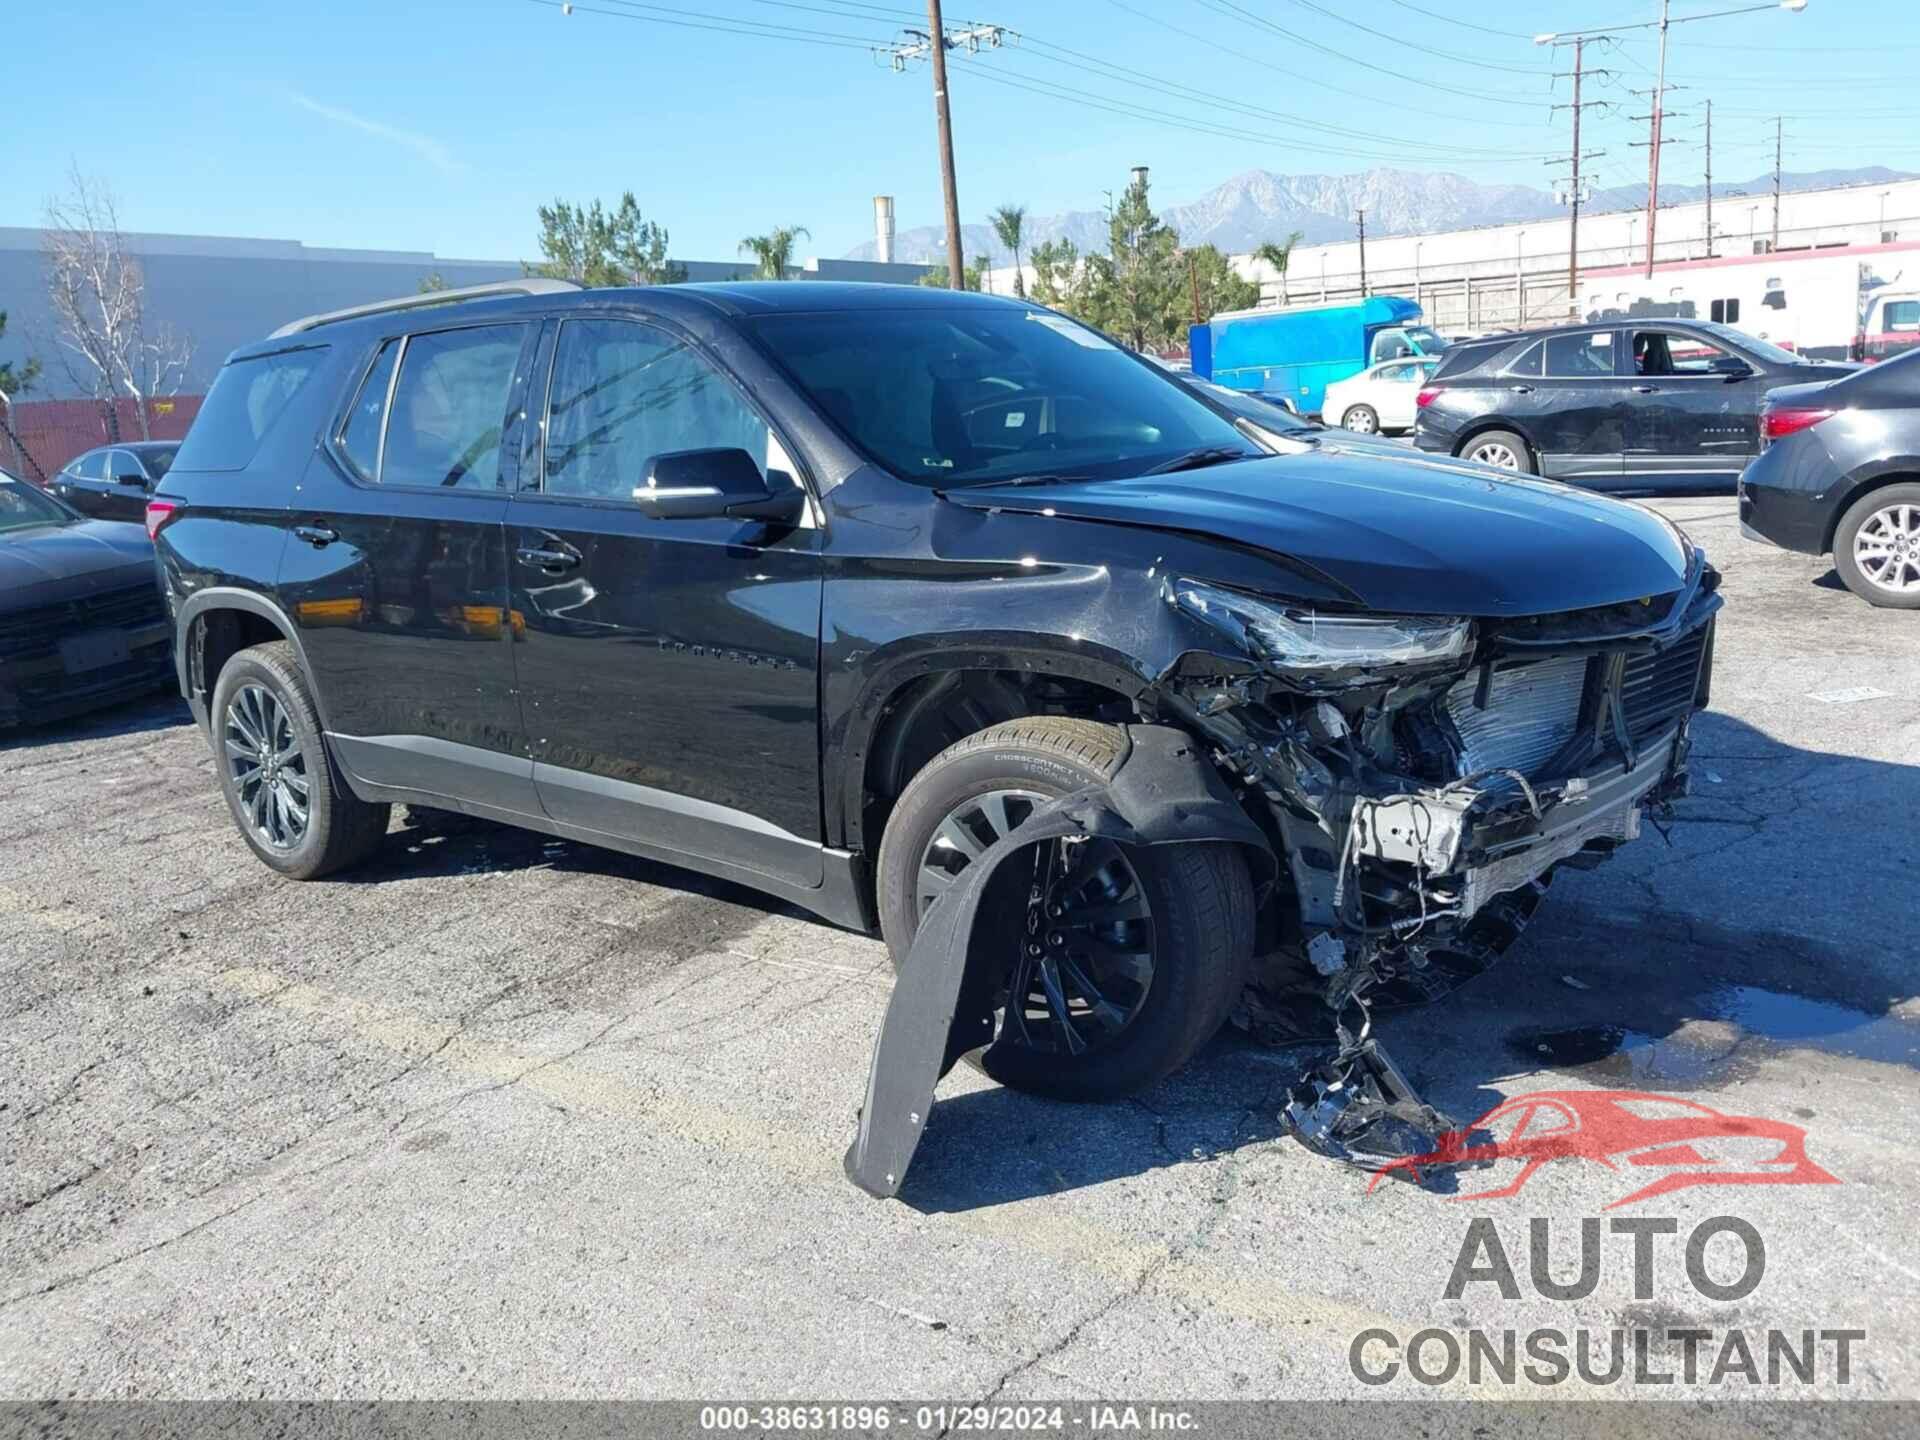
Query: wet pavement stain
x=1729 y=1031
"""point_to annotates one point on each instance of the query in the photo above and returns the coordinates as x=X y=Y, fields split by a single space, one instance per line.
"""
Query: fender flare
x=1166 y=791
x=231 y=597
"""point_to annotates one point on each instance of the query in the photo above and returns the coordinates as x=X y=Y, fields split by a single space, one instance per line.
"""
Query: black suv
x=1642 y=405
x=821 y=588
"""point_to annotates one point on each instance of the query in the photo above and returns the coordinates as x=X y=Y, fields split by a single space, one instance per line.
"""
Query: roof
x=740 y=297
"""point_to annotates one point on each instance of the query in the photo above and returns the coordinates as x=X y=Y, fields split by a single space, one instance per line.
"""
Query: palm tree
x=1007 y=222
x=978 y=272
x=1277 y=256
x=774 y=251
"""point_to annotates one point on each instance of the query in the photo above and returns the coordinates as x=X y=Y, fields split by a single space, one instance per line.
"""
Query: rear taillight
x=1425 y=398
x=1788 y=419
x=158 y=513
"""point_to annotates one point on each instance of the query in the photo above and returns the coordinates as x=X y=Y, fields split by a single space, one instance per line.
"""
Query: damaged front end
x=1422 y=778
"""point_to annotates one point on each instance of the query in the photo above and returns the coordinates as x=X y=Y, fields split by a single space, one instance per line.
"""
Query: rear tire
x=1500 y=448
x=1197 y=899
x=1361 y=419
x=287 y=798
x=1876 y=548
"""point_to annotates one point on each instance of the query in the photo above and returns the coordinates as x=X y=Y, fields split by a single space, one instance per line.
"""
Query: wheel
x=1361 y=419
x=1141 y=951
x=1502 y=448
x=1876 y=548
x=289 y=801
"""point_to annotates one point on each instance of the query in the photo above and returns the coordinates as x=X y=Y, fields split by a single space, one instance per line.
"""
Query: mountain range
x=1260 y=205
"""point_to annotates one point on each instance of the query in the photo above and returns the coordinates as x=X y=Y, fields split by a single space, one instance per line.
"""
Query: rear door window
x=1528 y=363
x=247 y=398
x=1579 y=357
x=450 y=408
x=361 y=434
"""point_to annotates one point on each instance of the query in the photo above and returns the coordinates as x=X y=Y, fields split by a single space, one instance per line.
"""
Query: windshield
x=966 y=396
x=1426 y=340
x=23 y=505
x=1753 y=345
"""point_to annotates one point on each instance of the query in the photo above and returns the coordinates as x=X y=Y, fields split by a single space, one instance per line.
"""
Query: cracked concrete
x=500 y=1115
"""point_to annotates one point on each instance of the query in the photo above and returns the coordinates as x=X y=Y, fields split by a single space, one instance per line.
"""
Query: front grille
x=1658 y=689
x=1532 y=710
x=32 y=634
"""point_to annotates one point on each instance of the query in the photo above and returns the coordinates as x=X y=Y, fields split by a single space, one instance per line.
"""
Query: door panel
x=667 y=668
x=1580 y=405
x=396 y=569
x=1686 y=424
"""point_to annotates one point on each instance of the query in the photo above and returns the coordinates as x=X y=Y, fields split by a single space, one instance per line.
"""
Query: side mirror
x=711 y=484
x=130 y=477
x=1731 y=366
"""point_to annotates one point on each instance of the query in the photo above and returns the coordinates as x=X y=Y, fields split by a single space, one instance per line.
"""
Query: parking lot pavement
x=499 y=1115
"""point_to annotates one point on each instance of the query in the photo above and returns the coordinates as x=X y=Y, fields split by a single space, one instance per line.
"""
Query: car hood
x=62 y=562
x=1400 y=535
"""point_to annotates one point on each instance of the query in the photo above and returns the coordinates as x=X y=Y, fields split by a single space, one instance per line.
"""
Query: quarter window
x=623 y=393
x=247 y=398
x=450 y=408
x=1580 y=356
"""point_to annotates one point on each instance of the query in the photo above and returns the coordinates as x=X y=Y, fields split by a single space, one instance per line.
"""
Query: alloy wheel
x=1086 y=956
x=1886 y=548
x=1495 y=452
x=268 y=767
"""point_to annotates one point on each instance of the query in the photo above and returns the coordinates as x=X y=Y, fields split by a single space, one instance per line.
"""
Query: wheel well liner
x=216 y=624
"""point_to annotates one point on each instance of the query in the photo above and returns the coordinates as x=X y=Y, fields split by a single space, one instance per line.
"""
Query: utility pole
x=1361 y=216
x=1653 y=145
x=1574 y=197
x=1709 y=179
x=933 y=44
x=1776 y=182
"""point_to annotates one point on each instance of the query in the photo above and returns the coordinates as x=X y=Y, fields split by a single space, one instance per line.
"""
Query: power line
x=798 y=37
x=1463 y=24
x=1424 y=49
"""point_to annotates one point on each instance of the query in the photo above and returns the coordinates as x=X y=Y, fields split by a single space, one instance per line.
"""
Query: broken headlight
x=1317 y=644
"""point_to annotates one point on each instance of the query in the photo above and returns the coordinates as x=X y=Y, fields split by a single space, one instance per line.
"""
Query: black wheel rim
x=1085 y=959
x=268 y=767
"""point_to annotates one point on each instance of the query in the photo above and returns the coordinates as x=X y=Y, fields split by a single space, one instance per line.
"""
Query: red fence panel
x=45 y=434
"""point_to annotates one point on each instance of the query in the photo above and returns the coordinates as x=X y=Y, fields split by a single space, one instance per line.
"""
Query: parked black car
x=81 y=619
x=112 y=482
x=1645 y=406
x=821 y=588
x=1839 y=474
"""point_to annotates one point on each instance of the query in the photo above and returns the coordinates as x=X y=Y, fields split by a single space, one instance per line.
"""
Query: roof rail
x=532 y=285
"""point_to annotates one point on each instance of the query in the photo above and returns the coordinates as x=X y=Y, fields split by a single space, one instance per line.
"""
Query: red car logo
x=1625 y=1129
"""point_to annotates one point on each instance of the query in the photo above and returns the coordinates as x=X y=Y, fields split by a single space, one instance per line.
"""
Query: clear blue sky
x=441 y=124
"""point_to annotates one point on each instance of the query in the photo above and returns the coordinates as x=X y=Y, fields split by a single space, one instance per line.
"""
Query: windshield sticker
x=1073 y=332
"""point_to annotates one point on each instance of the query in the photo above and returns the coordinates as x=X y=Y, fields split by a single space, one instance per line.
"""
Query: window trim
x=336 y=433
x=533 y=486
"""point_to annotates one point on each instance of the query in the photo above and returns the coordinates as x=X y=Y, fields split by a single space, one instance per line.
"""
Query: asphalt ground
x=499 y=1115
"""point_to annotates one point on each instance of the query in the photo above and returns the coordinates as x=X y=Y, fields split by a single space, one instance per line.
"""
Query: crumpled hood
x=1402 y=535
x=62 y=562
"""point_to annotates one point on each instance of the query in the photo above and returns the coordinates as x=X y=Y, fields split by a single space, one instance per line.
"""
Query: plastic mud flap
x=1165 y=792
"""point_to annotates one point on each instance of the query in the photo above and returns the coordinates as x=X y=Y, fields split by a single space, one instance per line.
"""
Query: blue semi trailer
x=1295 y=352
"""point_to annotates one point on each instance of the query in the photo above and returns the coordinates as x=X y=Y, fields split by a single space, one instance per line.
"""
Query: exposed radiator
x=1532 y=710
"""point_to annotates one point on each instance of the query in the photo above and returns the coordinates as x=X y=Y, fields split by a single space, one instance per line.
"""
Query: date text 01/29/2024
x=936 y=1419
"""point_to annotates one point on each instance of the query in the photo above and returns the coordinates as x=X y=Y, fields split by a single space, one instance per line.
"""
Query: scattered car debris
x=1850 y=696
x=930 y=1321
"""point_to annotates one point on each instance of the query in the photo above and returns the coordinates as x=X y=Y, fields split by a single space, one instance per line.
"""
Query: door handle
x=318 y=536
x=554 y=562
x=1521 y=389
x=1646 y=389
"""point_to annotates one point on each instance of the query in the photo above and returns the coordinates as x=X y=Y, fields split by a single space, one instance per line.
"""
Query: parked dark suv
x=1646 y=405
x=821 y=588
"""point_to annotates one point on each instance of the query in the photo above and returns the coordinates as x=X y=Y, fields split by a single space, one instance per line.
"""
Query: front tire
x=1361 y=419
x=290 y=803
x=1876 y=548
x=1500 y=448
x=1144 y=949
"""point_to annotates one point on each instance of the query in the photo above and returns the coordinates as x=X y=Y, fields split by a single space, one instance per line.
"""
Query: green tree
x=1213 y=285
x=774 y=251
x=1056 y=273
x=979 y=276
x=433 y=284
x=1008 y=222
x=1278 y=255
x=594 y=247
x=1134 y=288
x=936 y=276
